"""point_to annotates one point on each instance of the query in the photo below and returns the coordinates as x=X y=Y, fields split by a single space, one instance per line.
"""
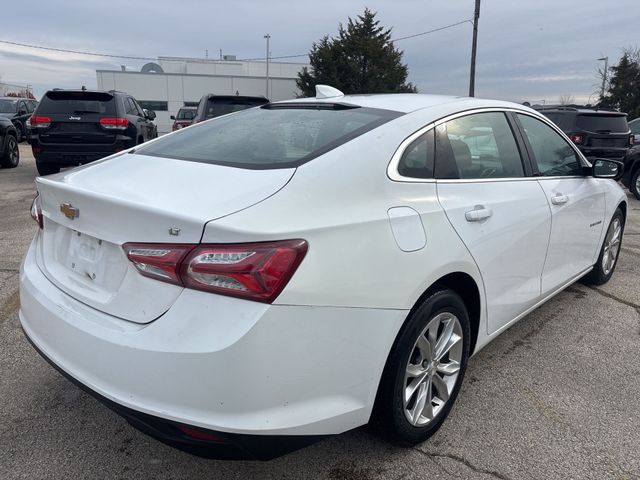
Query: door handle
x=559 y=199
x=478 y=213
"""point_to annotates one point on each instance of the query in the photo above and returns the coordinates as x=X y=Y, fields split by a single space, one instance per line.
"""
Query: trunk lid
x=89 y=212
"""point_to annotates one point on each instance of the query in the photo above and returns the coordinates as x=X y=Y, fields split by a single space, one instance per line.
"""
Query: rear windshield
x=602 y=123
x=274 y=136
x=562 y=120
x=217 y=106
x=77 y=102
x=186 y=114
x=8 y=106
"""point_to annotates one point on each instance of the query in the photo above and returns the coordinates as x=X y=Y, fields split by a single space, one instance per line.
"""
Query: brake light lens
x=577 y=139
x=254 y=271
x=158 y=260
x=36 y=212
x=114 y=123
x=632 y=139
x=40 y=121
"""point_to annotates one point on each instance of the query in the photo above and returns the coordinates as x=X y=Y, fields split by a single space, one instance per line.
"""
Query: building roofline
x=262 y=77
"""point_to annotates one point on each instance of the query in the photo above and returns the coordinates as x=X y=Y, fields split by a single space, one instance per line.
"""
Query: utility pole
x=267 y=36
x=474 y=46
x=604 y=75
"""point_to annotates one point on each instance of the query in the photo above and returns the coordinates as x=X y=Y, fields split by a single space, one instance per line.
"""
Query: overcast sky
x=527 y=50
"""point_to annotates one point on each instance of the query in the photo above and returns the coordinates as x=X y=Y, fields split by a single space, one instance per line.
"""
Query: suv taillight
x=254 y=271
x=632 y=139
x=36 y=211
x=40 y=121
x=114 y=123
x=577 y=139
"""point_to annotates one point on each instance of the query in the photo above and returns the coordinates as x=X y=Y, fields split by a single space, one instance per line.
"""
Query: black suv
x=18 y=110
x=73 y=127
x=211 y=106
x=631 y=176
x=597 y=133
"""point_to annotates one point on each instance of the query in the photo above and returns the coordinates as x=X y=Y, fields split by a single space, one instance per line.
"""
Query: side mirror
x=172 y=117
x=150 y=114
x=604 y=168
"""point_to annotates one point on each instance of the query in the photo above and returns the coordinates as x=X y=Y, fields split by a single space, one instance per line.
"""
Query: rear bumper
x=240 y=370
x=76 y=154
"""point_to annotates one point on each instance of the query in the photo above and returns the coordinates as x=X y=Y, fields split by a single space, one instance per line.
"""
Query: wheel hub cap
x=611 y=246
x=433 y=368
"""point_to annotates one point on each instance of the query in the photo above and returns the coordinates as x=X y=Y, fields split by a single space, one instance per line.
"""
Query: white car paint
x=240 y=366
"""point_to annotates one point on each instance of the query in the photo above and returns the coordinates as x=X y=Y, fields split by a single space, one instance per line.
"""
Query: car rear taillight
x=114 y=123
x=39 y=121
x=577 y=139
x=158 y=260
x=36 y=211
x=255 y=271
x=632 y=139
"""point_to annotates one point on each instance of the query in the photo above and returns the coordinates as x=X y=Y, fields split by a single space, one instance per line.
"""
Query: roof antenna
x=325 y=91
x=84 y=89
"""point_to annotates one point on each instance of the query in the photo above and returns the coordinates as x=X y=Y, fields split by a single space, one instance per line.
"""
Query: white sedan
x=253 y=283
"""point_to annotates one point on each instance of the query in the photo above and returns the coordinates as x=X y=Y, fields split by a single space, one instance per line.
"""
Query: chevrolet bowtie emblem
x=69 y=211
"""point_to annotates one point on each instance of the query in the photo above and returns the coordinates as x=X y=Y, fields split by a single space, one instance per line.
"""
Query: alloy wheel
x=433 y=368
x=612 y=246
x=13 y=151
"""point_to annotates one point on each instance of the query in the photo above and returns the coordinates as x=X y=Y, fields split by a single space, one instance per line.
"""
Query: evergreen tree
x=623 y=91
x=361 y=59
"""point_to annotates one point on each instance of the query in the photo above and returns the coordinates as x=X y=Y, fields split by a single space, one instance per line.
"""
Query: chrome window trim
x=392 y=167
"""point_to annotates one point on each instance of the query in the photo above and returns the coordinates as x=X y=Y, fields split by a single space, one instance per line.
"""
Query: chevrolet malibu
x=254 y=283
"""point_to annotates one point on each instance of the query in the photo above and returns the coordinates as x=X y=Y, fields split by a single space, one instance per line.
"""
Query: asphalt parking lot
x=556 y=396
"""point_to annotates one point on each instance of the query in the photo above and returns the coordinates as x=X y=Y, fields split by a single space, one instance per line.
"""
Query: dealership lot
x=554 y=397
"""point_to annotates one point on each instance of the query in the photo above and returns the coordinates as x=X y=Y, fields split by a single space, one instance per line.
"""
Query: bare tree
x=566 y=99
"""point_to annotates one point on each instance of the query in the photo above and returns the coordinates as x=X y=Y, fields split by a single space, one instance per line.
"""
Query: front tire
x=608 y=258
x=425 y=369
x=11 y=154
x=634 y=183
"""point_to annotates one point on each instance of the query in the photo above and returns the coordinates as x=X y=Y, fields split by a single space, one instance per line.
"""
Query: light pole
x=267 y=36
x=604 y=75
x=474 y=46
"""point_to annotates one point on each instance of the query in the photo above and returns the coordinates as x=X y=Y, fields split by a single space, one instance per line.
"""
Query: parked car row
x=211 y=106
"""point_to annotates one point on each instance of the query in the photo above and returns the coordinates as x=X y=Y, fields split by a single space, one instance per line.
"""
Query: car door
x=576 y=200
x=497 y=209
x=147 y=125
x=136 y=117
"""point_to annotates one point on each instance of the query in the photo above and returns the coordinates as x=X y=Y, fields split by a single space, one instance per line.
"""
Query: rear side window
x=418 y=158
x=218 y=106
x=63 y=102
x=602 y=123
x=275 y=136
x=477 y=146
x=8 y=106
x=553 y=155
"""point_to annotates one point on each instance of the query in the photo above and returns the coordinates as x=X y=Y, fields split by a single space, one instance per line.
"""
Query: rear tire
x=20 y=132
x=47 y=169
x=11 y=154
x=634 y=183
x=609 y=253
x=412 y=403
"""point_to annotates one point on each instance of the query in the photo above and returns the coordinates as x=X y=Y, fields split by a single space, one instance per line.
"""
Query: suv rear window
x=274 y=136
x=66 y=102
x=562 y=120
x=602 y=123
x=8 y=106
x=218 y=106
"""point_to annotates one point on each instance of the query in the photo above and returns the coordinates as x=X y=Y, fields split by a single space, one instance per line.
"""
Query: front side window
x=274 y=136
x=553 y=154
x=477 y=146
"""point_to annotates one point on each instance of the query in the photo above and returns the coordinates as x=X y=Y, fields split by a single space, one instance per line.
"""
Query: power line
x=133 y=57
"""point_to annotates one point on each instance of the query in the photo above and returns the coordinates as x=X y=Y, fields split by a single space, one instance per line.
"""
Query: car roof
x=188 y=107
x=410 y=102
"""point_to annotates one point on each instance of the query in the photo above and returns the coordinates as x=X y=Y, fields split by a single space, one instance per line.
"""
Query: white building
x=175 y=82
